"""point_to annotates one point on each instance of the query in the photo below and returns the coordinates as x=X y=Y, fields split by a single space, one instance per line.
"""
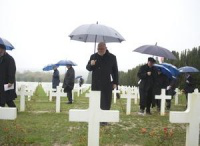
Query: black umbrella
x=156 y=51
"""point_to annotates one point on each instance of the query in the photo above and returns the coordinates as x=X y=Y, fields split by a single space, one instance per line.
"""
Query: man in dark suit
x=55 y=78
x=7 y=76
x=189 y=85
x=147 y=76
x=68 y=83
x=104 y=69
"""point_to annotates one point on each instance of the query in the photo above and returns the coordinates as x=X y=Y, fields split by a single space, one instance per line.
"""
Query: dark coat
x=189 y=85
x=146 y=82
x=104 y=75
x=7 y=75
x=68 y=83
x=161 y=82
x=55 y=79
x=146 y=85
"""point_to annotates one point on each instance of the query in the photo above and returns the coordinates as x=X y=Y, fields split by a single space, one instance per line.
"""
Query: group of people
x=103 y=65
x=152 y=81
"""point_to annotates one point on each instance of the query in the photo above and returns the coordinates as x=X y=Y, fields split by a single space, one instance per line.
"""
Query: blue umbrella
x=6 y=44
x=164 y=70
x=78 y=77
x=188 y=69
x=49 y=67
x=175 y=72
x=66 y=62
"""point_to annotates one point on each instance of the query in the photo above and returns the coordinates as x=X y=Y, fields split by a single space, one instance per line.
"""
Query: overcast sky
x=39 y=29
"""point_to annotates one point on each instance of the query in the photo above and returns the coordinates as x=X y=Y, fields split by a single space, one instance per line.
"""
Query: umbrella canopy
x=156 y=51
x=188 y=69
x=49 y=67
x=6 y=44
x=66 y=62
x=175 y=72
x=164 y=70
x=96 y=33
x=78 y=77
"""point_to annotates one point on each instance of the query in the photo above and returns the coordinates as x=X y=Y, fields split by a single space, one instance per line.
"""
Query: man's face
x=150 y=64
x=1 y=51
x=101 y=49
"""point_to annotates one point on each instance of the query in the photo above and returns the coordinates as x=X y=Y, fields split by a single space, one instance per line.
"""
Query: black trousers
x=10 y=103
x=106 y=100
x=69 y=95
x=146 y=97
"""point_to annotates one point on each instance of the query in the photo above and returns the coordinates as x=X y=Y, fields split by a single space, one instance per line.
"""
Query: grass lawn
x=39 y=125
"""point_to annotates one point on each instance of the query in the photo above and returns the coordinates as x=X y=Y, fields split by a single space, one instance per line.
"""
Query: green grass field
x=39 y=125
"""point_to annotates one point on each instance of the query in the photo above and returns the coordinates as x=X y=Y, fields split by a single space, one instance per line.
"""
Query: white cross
x=51 y=93
x=115 y=91
x=8 y=113
x=58 y=94
x=136 y=94
x=190 y=116
x=163 y=98
x=94 y=115
x=176 y=96
x=128 y=103
x=23 y=93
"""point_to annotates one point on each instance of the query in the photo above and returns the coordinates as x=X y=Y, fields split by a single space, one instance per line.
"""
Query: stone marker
x=163 y=98
x=93 y=115
x=8 y=113
x=191 y=116
x=23 y=93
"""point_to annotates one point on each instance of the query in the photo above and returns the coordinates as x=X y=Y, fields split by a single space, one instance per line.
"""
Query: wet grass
x=39 y=125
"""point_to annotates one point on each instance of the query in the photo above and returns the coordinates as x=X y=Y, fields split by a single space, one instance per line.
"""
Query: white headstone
x=115 y=91
x=128 y=103
x=191 y=116
x=23 y=93
x=8 y=113
x=58 y=94
x=176 y=96
x=163 y=98
x=94 y=115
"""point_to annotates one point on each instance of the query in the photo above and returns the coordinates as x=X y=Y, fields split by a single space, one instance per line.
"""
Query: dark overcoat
x=146 y=85
x=189 y=85
x=7 y=75
x=68 y=83
x=55 y=79
x=104 y=75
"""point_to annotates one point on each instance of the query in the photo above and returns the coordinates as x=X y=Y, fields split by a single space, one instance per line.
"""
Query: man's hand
x=149 y=73
x=93 y=62
x=9 y=84
x=114 y=86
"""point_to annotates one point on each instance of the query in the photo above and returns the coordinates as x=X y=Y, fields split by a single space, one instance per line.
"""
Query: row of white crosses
x=93 y=115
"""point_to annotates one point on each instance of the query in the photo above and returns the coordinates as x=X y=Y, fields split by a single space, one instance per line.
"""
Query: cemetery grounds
x=40 y=125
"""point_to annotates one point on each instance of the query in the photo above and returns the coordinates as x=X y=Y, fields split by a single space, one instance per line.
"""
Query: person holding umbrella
x=7 y=78
x=147 y=76
x=68 y=83
x=161 y=82
x=189 y=85
x=104 y=69
x=56 y=77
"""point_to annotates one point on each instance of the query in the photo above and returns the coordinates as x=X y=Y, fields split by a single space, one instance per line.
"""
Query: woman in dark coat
x=104 y=69
x=7 y=76
x=56 y=78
